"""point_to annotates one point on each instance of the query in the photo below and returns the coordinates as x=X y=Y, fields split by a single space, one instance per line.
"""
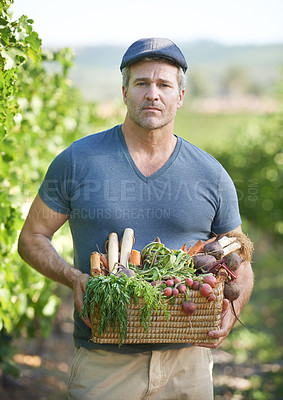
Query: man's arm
x=245 y=279
x=35 y=248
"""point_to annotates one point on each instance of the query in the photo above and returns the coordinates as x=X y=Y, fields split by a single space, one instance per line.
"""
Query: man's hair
x=182 y=78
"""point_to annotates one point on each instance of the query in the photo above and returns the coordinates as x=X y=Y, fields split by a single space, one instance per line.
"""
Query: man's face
x=153 y=94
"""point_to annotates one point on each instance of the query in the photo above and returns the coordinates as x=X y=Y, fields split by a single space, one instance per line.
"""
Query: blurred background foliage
x=42 y=112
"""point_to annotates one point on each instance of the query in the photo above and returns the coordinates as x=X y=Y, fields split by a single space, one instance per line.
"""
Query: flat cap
x=154 y=47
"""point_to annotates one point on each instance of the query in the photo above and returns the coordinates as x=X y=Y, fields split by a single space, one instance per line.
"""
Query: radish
x=211 y=297
x=182 y=288
x=175 y=292
x=196 y=285
x=205 y=290
x=169 y=282
x=189 y=282
x=177 y=280
x=167 y=291
x=210 y=279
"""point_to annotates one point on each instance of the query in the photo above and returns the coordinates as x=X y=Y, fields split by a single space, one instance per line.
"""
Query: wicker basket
x=177 y=329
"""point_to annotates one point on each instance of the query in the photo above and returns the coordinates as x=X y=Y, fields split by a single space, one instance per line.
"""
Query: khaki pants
x=157 y=375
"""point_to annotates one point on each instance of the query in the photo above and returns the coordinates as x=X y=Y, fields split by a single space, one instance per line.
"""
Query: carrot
x=95 y=264
x=104 y=260
x=185 y=247
x=135 y=257
x=195 y=248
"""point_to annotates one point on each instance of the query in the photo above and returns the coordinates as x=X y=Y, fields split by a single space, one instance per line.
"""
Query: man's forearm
x=245 y=279
x=38 y=252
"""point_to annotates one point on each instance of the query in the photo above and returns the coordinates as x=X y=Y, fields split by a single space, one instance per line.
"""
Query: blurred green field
x=209 y=130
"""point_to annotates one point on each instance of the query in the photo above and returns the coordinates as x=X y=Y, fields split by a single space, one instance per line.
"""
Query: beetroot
x=189 y=307
x=126 y=271
x=214 y=248
x=205 y=290
x=203 y=261
x=233 y=261
x=231 y=290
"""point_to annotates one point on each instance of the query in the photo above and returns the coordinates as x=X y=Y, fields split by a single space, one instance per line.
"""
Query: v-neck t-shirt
x=96 y=182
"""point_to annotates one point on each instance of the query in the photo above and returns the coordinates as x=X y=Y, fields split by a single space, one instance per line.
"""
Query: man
x=137 y=175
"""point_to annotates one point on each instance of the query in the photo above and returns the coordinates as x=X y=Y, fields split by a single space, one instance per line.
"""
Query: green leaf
x=51 y=307
x=10 y=59
x=35 y=46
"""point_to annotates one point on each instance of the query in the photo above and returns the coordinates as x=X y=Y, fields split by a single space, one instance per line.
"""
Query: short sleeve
x=56 y=187
x=227 y=215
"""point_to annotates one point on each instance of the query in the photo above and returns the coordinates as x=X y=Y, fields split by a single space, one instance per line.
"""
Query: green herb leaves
x=107 y=298
x=160 y=262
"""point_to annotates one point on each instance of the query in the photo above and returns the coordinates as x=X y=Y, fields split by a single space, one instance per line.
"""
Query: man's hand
x=79 y=290
x=245 y=280
x=227 y=322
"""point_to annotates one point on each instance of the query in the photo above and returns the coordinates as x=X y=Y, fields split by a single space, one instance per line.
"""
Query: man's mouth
x=151 y=109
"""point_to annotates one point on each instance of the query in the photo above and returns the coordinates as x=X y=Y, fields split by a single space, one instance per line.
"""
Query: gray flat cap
x=154 y=47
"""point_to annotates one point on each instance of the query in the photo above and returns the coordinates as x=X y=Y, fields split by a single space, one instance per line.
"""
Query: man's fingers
x=223 y=332
x=219 y=333
x=225 y=305
x=79 y=291
x=87 y=322
x=83 y=280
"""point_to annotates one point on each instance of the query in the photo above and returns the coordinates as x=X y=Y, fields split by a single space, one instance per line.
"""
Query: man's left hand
x=227 y=321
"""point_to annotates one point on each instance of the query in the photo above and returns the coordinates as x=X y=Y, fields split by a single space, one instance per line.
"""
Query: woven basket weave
x=177 y=329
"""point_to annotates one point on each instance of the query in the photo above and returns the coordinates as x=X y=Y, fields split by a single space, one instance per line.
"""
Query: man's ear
x=181 y=99
x=124 y=91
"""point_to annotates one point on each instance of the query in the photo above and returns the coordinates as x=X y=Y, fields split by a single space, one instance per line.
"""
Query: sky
x=76 y=23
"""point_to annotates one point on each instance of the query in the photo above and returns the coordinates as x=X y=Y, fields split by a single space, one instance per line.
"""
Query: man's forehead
x=153 y=68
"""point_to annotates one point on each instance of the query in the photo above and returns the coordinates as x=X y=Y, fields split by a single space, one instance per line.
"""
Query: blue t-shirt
x=96 y=182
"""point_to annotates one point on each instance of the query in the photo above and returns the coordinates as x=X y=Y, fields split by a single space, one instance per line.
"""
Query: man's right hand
x=79 y=290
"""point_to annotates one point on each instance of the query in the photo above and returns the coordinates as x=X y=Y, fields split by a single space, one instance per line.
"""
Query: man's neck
x=150 y=149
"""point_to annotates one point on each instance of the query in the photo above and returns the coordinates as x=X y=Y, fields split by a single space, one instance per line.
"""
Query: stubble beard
x=148 y=122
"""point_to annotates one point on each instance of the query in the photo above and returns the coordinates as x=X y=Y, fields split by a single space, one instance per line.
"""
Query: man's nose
x=152 y=92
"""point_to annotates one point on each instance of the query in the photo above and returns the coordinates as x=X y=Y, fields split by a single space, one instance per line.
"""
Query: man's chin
x=151 y=125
